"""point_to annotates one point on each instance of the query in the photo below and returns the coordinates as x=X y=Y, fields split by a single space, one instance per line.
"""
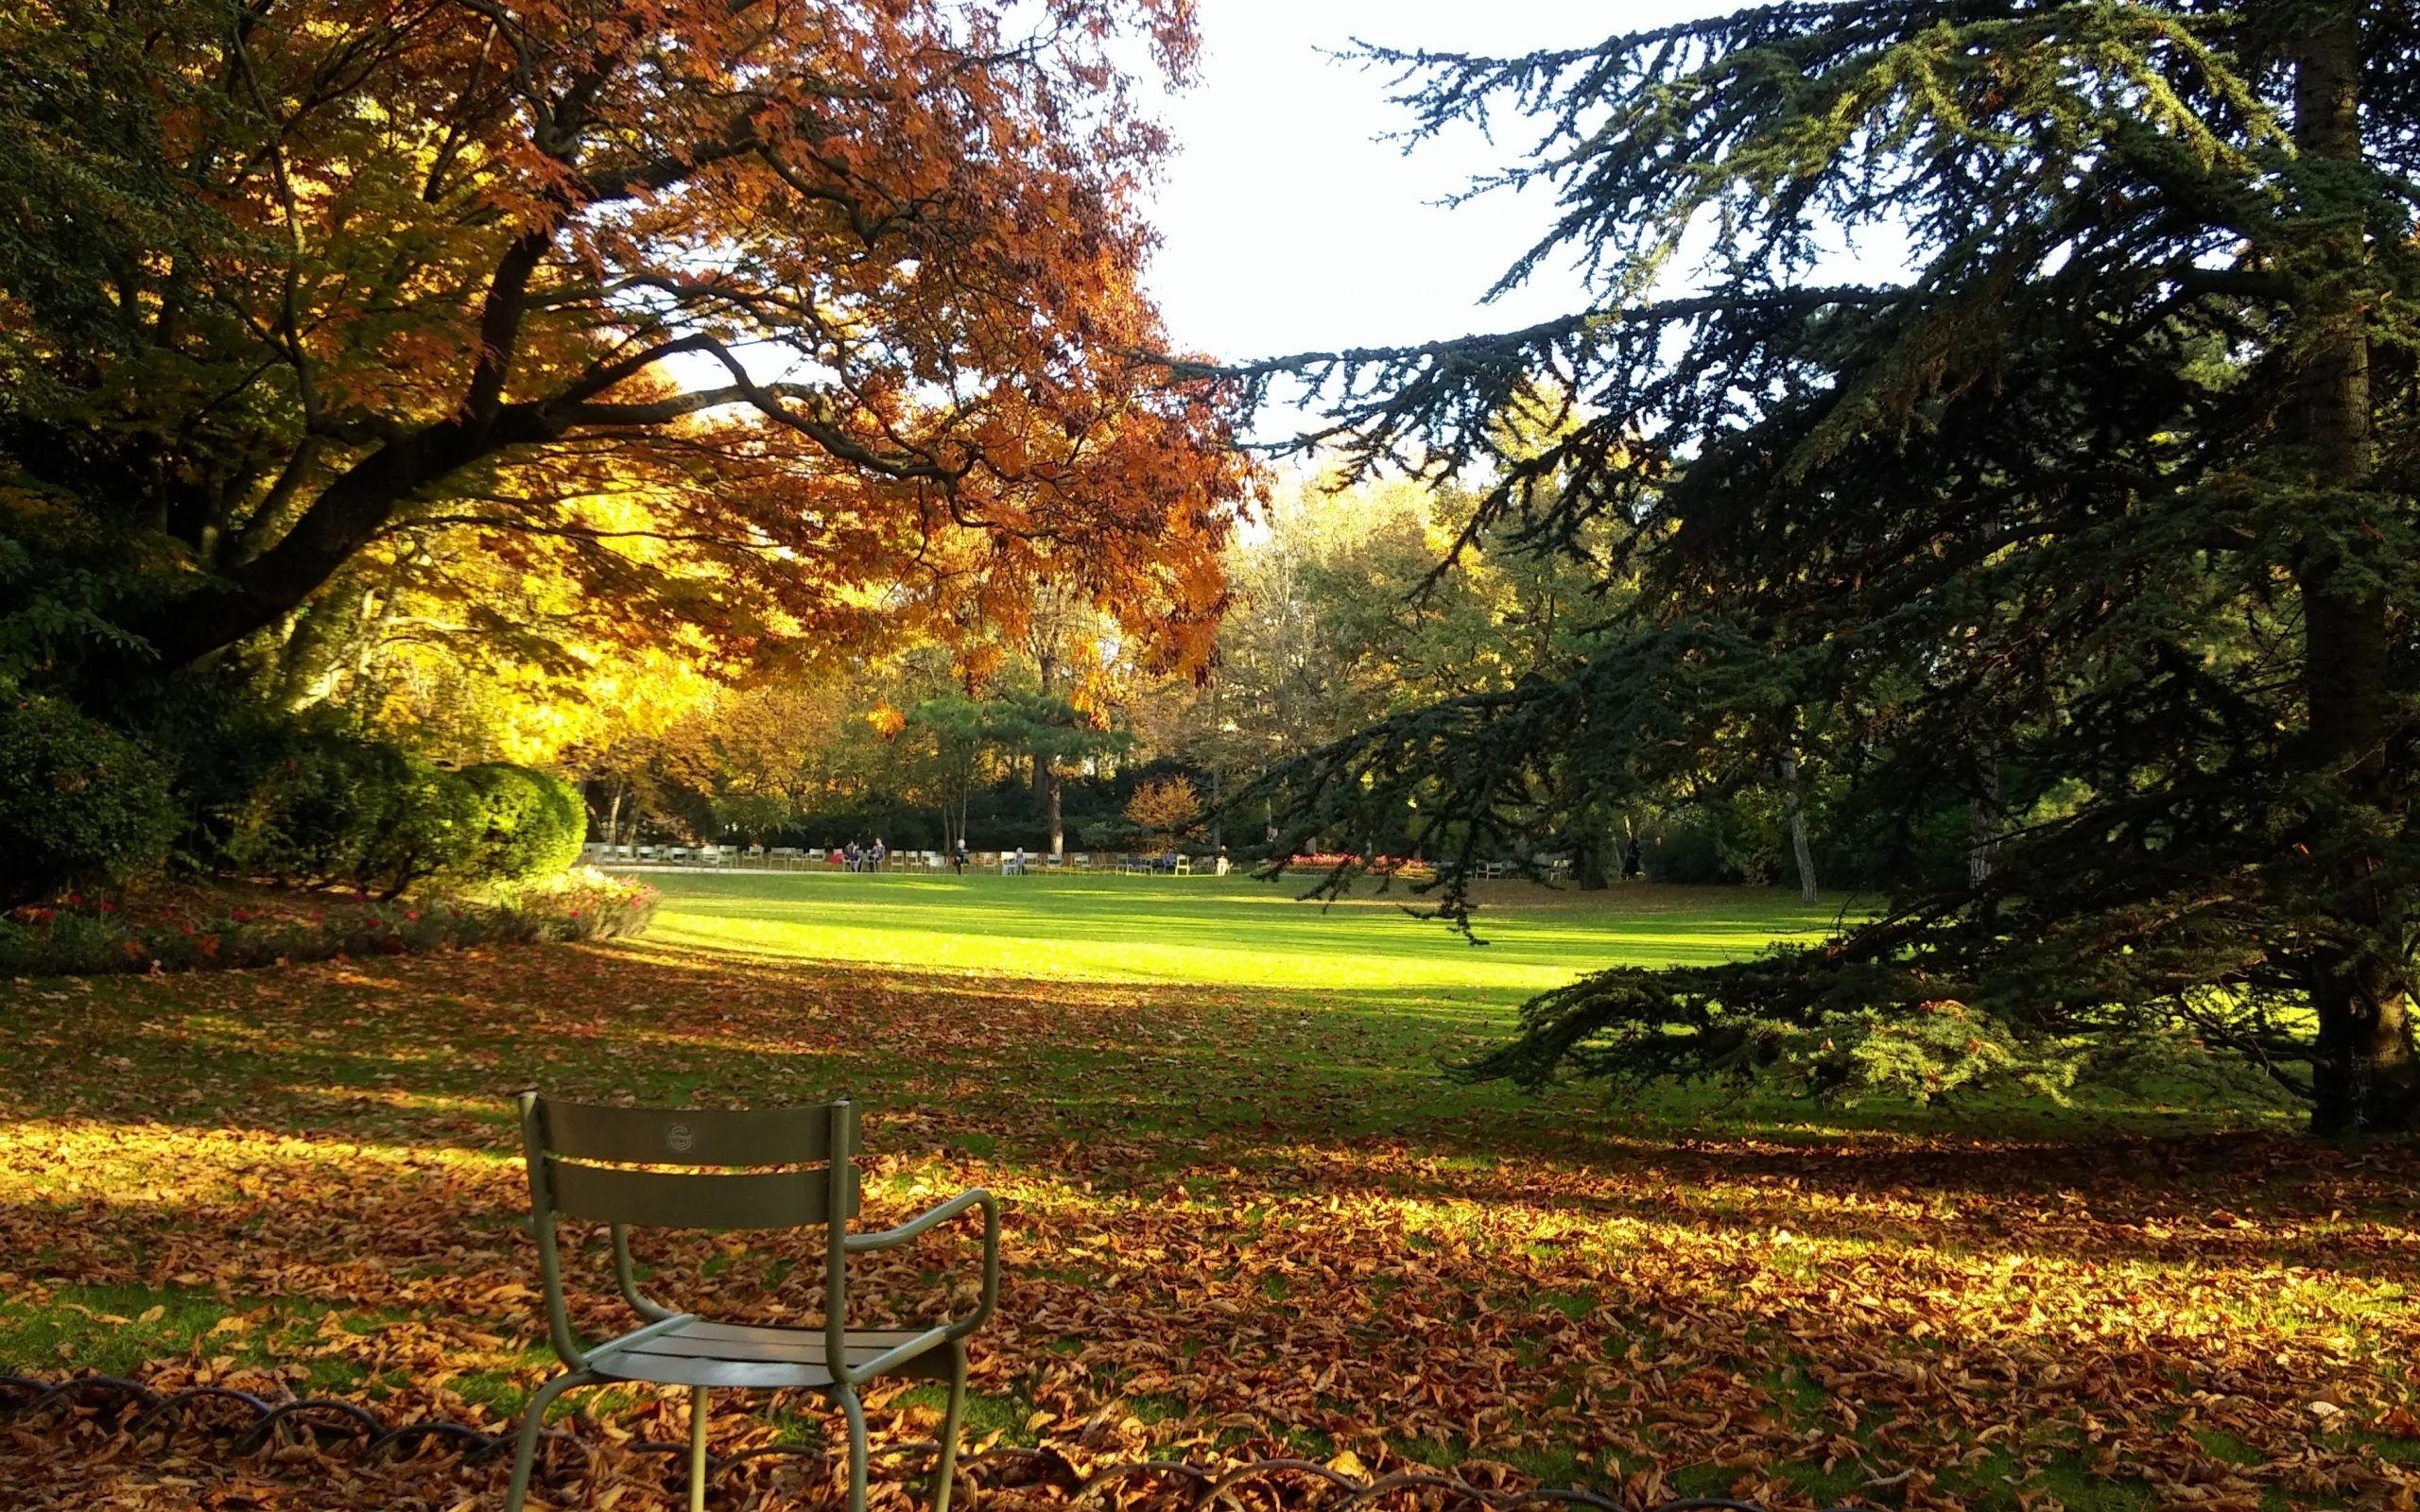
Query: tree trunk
x=1984 y=823
x=1051 y=795
x=1799 y=849
x=2365 y=1075
x=346 y=516
x=1588 y=864
x=2364 y=1078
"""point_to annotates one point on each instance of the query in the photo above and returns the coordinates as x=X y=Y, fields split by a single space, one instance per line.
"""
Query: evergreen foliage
x=2099 y=523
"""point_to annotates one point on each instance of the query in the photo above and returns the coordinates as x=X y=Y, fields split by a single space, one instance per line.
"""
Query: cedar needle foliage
x=2098 y=522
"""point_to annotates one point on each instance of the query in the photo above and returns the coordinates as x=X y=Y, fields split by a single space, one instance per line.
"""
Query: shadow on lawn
x=1324 y=1094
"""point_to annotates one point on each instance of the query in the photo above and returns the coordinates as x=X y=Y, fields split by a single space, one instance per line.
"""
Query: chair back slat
x=697 y=1199
x=697 y=1136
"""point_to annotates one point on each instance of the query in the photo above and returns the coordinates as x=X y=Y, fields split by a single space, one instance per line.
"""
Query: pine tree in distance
x=2103 y=518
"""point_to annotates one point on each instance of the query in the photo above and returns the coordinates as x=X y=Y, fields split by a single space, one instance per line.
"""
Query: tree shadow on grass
x=1320 y=1093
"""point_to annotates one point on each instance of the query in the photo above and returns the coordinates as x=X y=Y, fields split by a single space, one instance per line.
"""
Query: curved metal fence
x=248 y=1424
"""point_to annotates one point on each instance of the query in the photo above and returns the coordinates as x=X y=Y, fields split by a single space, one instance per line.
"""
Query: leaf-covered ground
x=1242 y=1219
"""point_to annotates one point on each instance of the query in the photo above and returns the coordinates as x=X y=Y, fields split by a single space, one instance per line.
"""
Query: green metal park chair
x=778 y=1168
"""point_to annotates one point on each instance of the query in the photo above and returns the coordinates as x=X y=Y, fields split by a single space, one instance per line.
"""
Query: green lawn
x=1248 y=1212
x=1220 y=931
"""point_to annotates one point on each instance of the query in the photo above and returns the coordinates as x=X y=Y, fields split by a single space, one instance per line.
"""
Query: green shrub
x=428 y=827
x=78 y=802
x=525 y=824
x=324 y=805
x=312 y=800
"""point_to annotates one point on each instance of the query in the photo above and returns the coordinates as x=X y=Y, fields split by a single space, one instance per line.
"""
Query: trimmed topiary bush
x=78 y=803
x=330 y=806
x=526 y=824
x=428 y=827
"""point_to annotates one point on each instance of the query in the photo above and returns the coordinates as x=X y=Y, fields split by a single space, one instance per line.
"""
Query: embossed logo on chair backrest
x=680 y=1138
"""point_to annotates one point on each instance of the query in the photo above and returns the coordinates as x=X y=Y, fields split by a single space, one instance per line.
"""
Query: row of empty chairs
x=792 y=858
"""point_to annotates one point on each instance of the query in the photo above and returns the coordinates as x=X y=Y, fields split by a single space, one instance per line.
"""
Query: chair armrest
x=897 y=1355
x=924 y=1223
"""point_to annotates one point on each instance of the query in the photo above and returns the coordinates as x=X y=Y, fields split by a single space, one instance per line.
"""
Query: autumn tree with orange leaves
x=725 y=310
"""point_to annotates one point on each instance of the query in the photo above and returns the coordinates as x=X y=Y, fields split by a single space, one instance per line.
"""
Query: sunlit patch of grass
x=109 y=1330
x=1233 y=929
x=986 y=1413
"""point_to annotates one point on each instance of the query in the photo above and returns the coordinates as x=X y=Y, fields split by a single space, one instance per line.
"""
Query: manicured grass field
x=1221 y=931
x=1247 y=1213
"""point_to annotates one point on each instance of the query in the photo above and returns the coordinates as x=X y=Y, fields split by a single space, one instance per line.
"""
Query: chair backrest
x=584 y=1160
x=760 y=1168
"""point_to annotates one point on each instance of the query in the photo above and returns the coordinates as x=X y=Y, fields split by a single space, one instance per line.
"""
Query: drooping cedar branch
x=2096 y=530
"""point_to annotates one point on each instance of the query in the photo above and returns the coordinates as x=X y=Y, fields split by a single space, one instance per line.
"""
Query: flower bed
x=81 y=937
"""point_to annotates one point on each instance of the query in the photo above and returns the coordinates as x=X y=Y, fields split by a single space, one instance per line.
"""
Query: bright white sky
x=1287 y=227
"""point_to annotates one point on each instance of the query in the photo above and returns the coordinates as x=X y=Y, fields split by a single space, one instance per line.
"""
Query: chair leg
x=945 y=1472
x=855 y=1412
x=533 y=1422
x=697 y=1448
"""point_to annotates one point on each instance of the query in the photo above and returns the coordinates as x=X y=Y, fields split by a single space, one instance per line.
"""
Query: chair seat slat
x=698 y=1353
x=796 y=1349
x=875 y=1338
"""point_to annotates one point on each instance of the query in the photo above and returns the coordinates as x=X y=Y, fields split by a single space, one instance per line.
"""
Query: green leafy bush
x=525 y=824
x=428 y=827
x=330 y=806
x=313 y=799
x=78 y=802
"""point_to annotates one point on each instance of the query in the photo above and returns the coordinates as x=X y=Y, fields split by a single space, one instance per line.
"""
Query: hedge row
x=90 y=939
x=251 y=791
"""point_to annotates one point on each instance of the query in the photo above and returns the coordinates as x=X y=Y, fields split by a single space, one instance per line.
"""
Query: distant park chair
x=585 y=1162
